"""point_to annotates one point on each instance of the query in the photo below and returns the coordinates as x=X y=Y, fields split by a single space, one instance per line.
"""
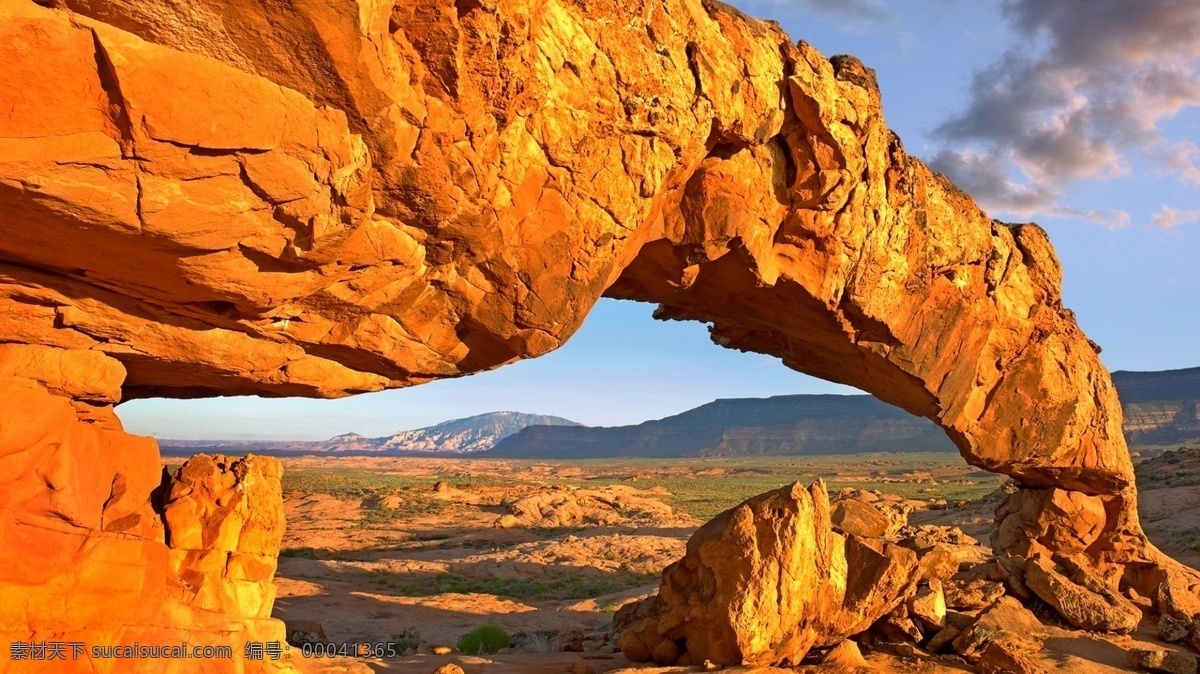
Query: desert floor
x=416 y=553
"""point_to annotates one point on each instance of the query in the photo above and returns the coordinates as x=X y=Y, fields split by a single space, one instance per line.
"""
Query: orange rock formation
x=230 y=197
x=764 y=582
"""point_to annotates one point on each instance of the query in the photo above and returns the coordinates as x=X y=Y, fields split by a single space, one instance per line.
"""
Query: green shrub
x=484 y=640
x=403 y=643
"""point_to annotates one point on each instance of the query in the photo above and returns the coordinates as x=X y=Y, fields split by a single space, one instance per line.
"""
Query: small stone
x=910 y=651
x=1172 y=630
x=580 y=666
x=1002 y=658
x=300 y=632
x=1168 y=662
x=449 y=668
x=897 y=627
x=960 y=620
x=844 y=656
x=938 y=642
x=569 y=641
x=971 y=594
x=442 y=650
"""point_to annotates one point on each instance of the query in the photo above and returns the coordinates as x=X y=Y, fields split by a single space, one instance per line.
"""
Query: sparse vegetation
x=299 y=638
x=408 y=639
x=541 y=641
x=484 y=640
x=1188 y=538
x=572 y=587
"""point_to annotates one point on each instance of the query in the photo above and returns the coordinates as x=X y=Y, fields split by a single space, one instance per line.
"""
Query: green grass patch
x=484 y=640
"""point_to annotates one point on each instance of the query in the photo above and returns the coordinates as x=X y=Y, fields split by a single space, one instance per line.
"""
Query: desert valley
x=399 y=548
x=421 y=552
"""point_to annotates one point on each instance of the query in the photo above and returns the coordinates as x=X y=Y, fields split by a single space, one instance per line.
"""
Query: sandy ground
x=543 y=554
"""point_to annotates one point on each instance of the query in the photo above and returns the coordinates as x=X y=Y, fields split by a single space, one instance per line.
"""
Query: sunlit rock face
x=767 y=581
x=99 y=548
x=229 y=197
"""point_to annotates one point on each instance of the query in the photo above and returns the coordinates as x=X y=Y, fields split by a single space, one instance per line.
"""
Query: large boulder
x=765 y=582
x=1081 y=598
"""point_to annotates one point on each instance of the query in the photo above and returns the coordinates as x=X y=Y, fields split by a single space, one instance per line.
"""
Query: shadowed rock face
x=225 y=197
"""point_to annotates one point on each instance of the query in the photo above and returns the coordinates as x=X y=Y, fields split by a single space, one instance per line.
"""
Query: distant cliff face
x=1161 y=408
x=800 y=424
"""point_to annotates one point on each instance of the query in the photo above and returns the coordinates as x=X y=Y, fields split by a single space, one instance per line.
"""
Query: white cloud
x=1168 y=217
x=1080 y=108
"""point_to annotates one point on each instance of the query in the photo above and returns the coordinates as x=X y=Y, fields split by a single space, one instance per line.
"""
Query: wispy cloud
x=1085 y=93
x=1168 y=217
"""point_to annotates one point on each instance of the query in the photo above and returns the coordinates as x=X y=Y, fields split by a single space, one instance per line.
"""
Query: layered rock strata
x=229 y=197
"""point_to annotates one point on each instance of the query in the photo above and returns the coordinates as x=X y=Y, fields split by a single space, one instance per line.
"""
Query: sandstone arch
x=331 y=198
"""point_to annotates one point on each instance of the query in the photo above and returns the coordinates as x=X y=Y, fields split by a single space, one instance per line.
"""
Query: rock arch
x=332 y=198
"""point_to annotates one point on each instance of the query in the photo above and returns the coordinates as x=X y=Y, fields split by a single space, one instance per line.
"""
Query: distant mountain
x=795 y=424
x=1161 y=408
x=458 y=436
x=472 y=434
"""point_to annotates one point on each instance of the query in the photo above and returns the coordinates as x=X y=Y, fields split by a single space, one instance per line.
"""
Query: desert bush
x=484 y=640
x=300 y=638
x=541 y=641
x=409 y=638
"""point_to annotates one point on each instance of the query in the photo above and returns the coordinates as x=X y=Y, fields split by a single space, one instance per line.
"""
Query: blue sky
x=1081 y=115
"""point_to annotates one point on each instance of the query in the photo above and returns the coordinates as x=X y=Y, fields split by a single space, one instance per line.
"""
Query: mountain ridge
x=476 y=433
x=1162 y=408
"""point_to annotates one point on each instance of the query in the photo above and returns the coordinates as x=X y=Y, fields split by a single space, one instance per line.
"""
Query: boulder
x=1091 y=607
x=1006 y=621
x=768 y=580
x=945 y=636
x=1032 y=521
x=937 y=561
x=928 y=607
x=971 y=594
x=1171 y=629
x=851 y=516
x=1000 y=657
x=898 y=627
x=1167 y=662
